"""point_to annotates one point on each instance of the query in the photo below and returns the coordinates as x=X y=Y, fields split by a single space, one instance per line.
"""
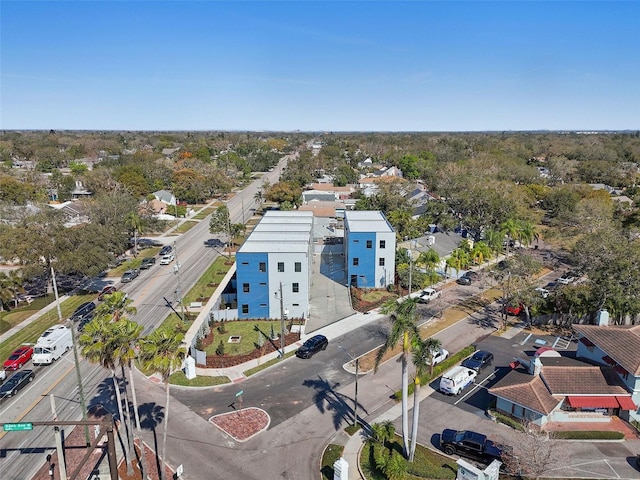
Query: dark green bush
x=589 y=435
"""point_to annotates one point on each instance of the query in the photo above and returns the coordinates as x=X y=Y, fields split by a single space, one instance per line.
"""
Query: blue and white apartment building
x=277 y=254
x=370 y=249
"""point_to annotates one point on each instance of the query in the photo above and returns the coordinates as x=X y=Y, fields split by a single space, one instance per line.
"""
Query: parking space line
x=475 y=387
x=526 y=339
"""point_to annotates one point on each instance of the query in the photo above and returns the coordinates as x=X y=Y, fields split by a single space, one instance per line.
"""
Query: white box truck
x=52 y=344
x=454 y=380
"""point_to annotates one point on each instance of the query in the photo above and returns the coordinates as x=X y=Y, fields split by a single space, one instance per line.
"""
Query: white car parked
x=167 y=259
x=543 y=292
x=439 y=356
x=428 y=294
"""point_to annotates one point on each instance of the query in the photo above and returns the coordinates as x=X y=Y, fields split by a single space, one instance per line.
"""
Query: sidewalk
x=354 y=444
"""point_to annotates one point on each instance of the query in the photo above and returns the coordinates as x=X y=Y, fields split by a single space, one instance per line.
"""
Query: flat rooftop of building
x=366 y=221
x=280 y=232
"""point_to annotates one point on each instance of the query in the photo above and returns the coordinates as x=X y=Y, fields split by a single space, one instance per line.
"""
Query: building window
x=381 y=261
x=245 y=308
x=356 y=241
x=369 y=243
x=263 y=284
x=245 y=263
x=298 y=266
x=263 y=305
x=295 y=287
x=356 y=261
x=245 y=287
x=262 y=267
x=383 y=243
x=281 y=266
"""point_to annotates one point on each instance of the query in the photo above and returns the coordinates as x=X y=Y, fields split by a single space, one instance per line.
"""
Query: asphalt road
x=22 y=453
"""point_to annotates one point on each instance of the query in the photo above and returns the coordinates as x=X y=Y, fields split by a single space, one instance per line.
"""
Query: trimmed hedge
x=589 y=435
x=506 y=420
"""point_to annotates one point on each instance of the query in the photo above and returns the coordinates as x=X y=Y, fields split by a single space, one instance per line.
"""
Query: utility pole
x=76 y=361
x=177 y=270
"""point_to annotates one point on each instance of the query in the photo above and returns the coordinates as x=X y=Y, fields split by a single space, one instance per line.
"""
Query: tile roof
x=526 y=390
x=621 y=343
x=582 y=380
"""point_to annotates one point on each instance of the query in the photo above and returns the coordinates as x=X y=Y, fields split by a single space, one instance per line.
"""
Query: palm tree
x=6 y=293
x=480 y=252
x=527 y=233
x=258 y=197
x=493 y=239
x=423 y=351
x=162 y=351
x=129 y=335
x=10 y=285
x=429 y=260
x=511 y=228
x=458 y=259
x=403 y=327
x=115 y=306
x=134 y=222
x=382 y=432
x=99 y=342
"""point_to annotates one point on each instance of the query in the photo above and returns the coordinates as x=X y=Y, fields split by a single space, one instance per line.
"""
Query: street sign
x=239 y=393
x=14 y=427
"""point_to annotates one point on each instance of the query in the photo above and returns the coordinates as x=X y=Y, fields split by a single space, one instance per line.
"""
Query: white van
x=51 y=345
x=454 y=380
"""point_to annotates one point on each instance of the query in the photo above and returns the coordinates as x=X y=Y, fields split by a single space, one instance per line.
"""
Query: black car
x=16 y=383
x=464 y=280
x=147 y=263
x=213 y=242
x=312 y=346
x=470 y=444
x=129 y=275
x=83 y=323
x=167 y=249
x=82 y=311
x=479 y=360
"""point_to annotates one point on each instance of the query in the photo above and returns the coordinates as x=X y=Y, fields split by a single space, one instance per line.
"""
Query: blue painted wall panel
x=257 y=298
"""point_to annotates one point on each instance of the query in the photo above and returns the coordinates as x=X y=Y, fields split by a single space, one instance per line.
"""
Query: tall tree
x=422 y=357
x=220 y=222
x=403 y=329
x=115 y=306
x=162 y=352
x=128 y=334
x=134 y=223
x=98 y=343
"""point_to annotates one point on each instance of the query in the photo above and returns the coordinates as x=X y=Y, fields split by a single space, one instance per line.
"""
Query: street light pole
x=282 y=342
x=355 y=396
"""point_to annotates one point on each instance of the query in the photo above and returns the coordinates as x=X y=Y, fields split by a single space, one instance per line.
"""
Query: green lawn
x=178 y=378
x=185 y=227
x=32 y=332
x=249 y=337
x=208 y=282
x=11 y=318
x=330 y=456
x=203 y=213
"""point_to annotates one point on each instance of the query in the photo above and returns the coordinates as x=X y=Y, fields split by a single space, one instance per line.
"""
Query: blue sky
x=334 y=66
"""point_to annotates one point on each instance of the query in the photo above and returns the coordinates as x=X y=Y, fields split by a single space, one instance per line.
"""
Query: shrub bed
x=589 y=435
